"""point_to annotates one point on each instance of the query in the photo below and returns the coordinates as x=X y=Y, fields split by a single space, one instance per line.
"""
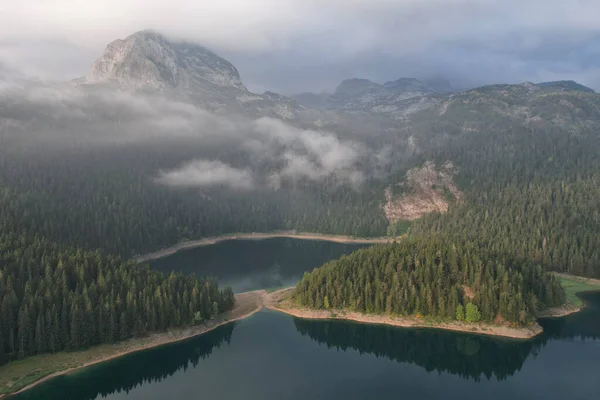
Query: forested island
x=438 y=280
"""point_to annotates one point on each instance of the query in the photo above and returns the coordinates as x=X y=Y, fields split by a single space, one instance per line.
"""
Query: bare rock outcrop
x=426 y=189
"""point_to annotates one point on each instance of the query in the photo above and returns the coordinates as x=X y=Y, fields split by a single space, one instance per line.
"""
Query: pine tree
x=64 y=336
x=472 y=313
x=40 y=335
x=23 y=332
x=3 y=359
x=112 y=324
x=75 y=331
x=124 y=329
x=460 y=313
x=54 y=342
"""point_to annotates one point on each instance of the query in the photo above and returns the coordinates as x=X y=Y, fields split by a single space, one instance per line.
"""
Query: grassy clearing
x=19 y=374
x=574 y=285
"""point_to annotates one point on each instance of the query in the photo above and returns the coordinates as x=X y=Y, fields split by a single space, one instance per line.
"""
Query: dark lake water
x=275 y=356
x=255 y=264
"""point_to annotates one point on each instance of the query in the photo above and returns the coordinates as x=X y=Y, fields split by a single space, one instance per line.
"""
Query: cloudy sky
x=298 y=45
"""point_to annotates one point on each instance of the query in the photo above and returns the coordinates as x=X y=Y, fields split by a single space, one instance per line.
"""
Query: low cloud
x=301 y=166
x=264 y=152
x=104 y=116
x=278 y=153
x=311 y=154
x=204 y=173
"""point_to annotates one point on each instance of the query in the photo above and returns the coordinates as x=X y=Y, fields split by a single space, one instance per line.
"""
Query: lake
x=275 y=356
x=255 y=264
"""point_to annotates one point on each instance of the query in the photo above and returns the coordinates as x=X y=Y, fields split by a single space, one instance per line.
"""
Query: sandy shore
x=260 y=236
x=247 y=304
x=278 y=301
x=556 y=312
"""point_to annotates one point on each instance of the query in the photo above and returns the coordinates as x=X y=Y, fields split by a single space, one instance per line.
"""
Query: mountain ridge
x=147 y=60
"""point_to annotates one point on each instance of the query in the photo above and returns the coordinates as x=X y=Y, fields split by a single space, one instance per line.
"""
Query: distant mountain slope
x=409 y=85
x=312 y=100
x=395 y=99
x=525 y=104
x=565 y=86
x=362 y=90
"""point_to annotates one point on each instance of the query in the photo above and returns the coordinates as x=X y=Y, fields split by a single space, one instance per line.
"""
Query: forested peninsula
x=439 y=282
x=55 y=298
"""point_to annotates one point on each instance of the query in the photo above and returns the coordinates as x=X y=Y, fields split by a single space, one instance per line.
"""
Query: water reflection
x=465 y=355
x=126 y=373
x=469 y=356
x=255 y=264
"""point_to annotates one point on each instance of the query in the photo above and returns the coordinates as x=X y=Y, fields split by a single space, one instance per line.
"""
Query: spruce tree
x=472 y=313
x=3 y=358
x=460 y=313
x=40 y=335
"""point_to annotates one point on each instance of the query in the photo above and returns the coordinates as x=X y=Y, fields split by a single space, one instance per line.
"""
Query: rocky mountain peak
x=147 y=59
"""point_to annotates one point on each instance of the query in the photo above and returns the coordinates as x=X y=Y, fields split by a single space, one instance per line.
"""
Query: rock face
x=148 y=60
x=425 y=190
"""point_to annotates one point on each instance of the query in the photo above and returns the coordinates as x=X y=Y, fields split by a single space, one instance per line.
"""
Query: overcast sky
x=300 y=45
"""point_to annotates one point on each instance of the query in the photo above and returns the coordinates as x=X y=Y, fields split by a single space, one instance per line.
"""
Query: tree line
x=468 y=356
